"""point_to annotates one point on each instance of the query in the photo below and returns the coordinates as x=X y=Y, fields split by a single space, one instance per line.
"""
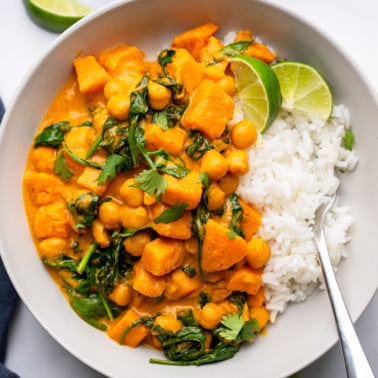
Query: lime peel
x=56 y=15
x=304 y=89
x=258 y=90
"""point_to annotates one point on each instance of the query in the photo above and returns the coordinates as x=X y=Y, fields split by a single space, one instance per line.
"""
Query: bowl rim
x=360 y=72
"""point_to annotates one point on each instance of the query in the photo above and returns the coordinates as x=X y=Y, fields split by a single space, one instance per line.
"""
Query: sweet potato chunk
x=134 y=336
x=179 y=229
x=219 y=250
x=209 y=110
x=251 y=220
x=91 y=75
x=184 y=69
x=245 y=279
x=162 y=255
x=43 y=188
x=195 y=39
x=179 y=285
x=89 y=180
x=171 y=140
x=188 y=189
x=146 y=283
x=44 y=158
x=112 y=58
x=262 y=52
x=52 y=221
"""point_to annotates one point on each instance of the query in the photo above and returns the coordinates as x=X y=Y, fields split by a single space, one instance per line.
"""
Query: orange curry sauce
x=161 y=271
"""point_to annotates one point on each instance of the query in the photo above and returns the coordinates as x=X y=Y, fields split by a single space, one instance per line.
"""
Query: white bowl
x=306 y=330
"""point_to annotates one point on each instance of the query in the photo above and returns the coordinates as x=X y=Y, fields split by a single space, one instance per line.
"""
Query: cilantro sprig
x=236 y=329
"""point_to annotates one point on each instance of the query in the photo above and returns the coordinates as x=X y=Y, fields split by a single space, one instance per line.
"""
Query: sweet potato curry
x=129 y=190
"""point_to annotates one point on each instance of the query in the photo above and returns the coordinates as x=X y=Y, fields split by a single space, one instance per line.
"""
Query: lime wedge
x=304 y=89
x=56 y=15
x=258 y=90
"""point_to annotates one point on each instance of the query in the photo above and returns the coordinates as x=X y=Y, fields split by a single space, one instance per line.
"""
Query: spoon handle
x=356 y=363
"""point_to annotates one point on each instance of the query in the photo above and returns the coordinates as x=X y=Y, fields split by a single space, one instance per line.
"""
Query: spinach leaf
x=84 y=209
x=52 y=135
x=105 y=139
x=62 y=262
x=232 y=49
x=90 y=308
x=204 y=298
x=148 y=321
x=236 y=48
x=189 y=270
x=188 y=344
x=172 y=214
x=187 y=347
x=198 y=146
x=200 y=215
x=236 y=215
x=187 y=318
x=165 y=57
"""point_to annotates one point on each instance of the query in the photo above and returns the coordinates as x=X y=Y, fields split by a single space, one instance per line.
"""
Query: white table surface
x=351 y=23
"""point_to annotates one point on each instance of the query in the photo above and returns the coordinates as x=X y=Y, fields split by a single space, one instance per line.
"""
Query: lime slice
x=304 y=89
x=56 y=15
x=258 y=90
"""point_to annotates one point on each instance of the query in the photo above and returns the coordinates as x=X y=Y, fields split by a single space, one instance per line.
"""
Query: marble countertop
x=350 y=23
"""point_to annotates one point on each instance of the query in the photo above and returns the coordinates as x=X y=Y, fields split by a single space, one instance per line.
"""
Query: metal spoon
x=356 y=363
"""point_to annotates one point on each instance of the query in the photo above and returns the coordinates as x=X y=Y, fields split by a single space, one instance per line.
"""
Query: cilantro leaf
x=112 y=163
x=249 y=330
x=173 y=213
x=151 y=182
x=61 y=168
x=234 y=324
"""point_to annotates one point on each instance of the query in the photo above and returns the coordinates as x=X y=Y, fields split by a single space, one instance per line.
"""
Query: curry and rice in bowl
x=164 y=214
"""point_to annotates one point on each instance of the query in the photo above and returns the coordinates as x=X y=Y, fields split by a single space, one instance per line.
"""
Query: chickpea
x=227 y=83
x=258 y=253
x=243 y=134
x=238 y=162
x=131 y=195
x=148 y=199
x=169 y=323
x=135 y=244
x=118 y=106
x=114 y=87
x=211 y=315
x=216 y=197
x=53 y=247
x=121 y=294
x=100 y=234
x=229 y=184
x=109 y=214
x=159 y=95
x=214 y=164
x=134 y=217
x=261 y=314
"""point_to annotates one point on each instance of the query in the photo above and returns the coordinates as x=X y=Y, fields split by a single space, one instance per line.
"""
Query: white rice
x=292 y=171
